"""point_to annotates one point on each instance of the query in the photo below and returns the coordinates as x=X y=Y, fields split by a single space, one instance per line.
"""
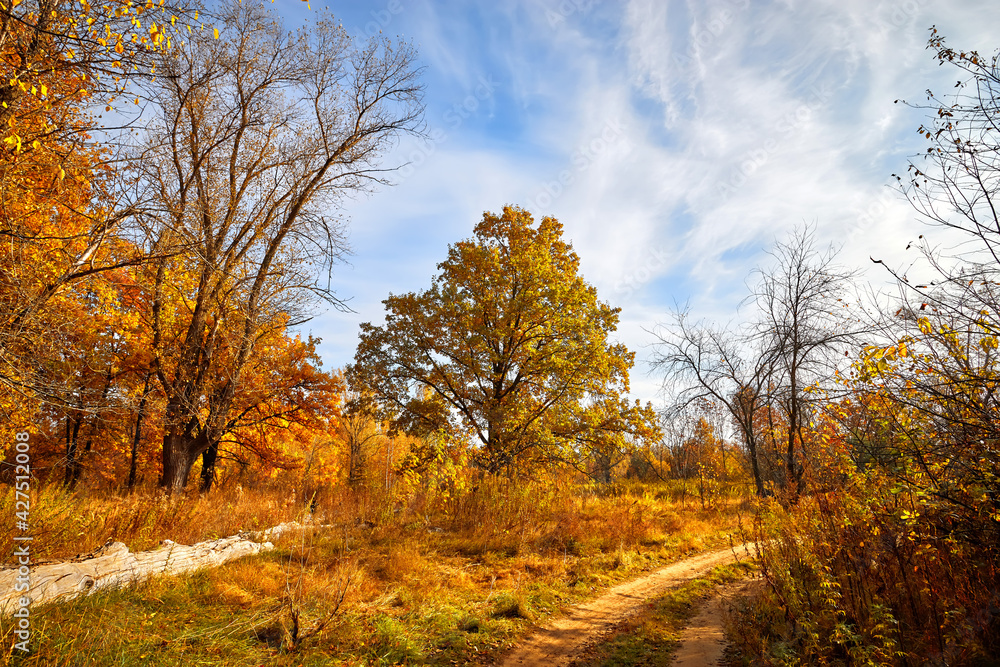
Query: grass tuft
x=432 y=579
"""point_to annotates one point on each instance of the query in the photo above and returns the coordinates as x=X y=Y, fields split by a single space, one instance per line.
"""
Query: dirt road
x=560 y=642
x=703 y=641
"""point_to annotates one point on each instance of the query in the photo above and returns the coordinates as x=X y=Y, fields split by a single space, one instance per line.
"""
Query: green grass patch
x=414 y=595
x=652 y=636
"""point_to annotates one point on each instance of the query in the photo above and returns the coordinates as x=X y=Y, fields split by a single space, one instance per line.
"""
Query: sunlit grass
x=652 y=636
x=421 y=581
x=65 y=523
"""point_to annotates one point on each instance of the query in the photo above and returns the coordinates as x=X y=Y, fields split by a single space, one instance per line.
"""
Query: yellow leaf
x=215 y=31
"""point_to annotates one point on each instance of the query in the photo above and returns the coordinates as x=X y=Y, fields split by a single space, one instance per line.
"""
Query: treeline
x=169 y=182
x=153 y=273
x=872 y=424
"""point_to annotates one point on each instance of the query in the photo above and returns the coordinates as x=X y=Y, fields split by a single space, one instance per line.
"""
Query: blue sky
x=674 y=140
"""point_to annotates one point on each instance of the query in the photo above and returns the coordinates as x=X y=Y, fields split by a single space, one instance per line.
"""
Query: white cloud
x=672 y=139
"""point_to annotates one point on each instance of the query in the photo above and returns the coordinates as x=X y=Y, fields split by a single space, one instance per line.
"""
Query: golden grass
x=65 y=523
x=428 y=578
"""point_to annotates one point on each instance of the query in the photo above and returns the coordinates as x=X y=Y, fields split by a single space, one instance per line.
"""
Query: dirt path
x=703 y=640
x=562 y=641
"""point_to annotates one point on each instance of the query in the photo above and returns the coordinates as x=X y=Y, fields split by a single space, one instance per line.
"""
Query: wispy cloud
x=675 y=140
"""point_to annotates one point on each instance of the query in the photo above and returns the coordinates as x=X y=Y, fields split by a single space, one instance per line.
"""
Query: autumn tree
x=359 y=428
x=105 y=43
x=283 y=389
x=516 y=345
x=941 y=368
x=50 y=195
x=942 y=359
x=802 y=324
x=59 y=60
x=701 y=362
x=257 y=135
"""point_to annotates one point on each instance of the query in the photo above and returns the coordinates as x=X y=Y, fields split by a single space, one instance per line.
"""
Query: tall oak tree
x=510 y=343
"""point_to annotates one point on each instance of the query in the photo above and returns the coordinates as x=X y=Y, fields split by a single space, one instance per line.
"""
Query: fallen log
x=114 y=566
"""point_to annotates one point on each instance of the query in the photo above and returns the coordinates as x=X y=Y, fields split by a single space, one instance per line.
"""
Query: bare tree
x=955 y=184
x=258 y=134
x=771 y=360
x=802 y=324
x=705 y=362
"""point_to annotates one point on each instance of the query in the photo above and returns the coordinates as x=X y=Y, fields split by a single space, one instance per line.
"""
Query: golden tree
x=514 y=343
x=58 y=218
x=258 y=134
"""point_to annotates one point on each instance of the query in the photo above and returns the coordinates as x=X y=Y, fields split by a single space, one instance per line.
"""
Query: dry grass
x=65 y=523
x=652 y=636
x=423 y=577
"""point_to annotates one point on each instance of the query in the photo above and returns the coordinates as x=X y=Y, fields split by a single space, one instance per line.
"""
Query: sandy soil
x=703 y=641
x=563 y=640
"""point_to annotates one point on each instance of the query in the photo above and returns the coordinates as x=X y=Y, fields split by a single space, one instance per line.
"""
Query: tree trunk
x=72 y=460
x=176 y=470
x=208 y=459
x=114 y=566
x=355 y=464
x=793 y=427
x=179 y=454
x=137 y=436
x=755 y=466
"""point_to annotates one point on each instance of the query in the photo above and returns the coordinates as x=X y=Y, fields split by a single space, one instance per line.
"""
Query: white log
x=114 y=566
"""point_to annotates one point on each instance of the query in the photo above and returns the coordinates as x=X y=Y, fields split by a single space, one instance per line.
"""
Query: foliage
x=512 y=344
x=886 y=561
x=425 y=580
x=150 y=282
x=891 y=557
x=59 y=214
